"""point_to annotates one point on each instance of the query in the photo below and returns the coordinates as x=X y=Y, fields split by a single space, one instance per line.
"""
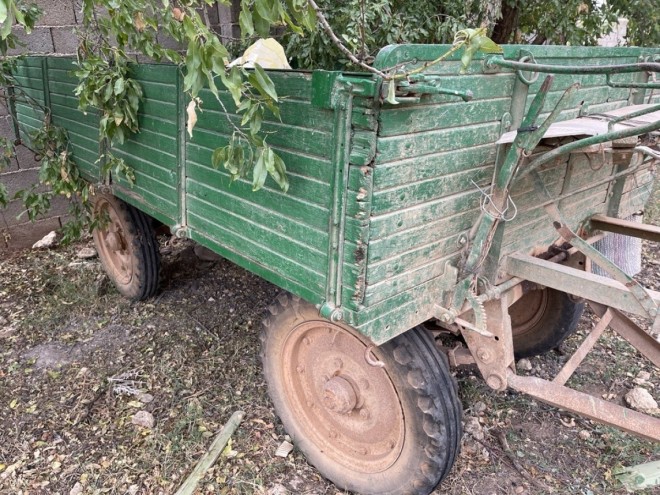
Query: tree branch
x=328 y=30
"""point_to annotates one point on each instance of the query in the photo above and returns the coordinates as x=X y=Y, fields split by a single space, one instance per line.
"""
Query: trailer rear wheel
x=389 y=427
x=127 y=247
x=541 y=320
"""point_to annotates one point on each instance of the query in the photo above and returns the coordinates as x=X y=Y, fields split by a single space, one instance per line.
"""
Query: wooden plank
x=249 y=229
x=424 y=143
x=140 y=146
x=288 y=226
x=255 y=252
x=288 y=204
x=297 y=113
x=146 y=202
x=394 y=223
x=407 y=280
x=433 y=165
x=313 y=294
x=306 y=140
x=164 y=175
x=302 y=165
x=392 y=246
x=420 y=192
x=396 y=121
x=412 y=259
x=151 y=192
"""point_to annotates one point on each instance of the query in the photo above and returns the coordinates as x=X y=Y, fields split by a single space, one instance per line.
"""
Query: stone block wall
x=54 y=34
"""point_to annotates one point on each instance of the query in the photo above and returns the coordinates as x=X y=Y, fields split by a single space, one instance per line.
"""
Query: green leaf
x=265 y=84
x=245 y=21
x=3 y=11
x=487 y=45
x=259 y=173
x=219 y=156
x=261 y=25
x=263 y=9
x=279 y=173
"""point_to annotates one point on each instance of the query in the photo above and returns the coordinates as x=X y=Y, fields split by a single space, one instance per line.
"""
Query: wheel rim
x=113 y=246
x=347 y=408
x=527 y=311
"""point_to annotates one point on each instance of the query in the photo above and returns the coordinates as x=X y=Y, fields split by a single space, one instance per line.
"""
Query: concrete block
x=228 y=28
x=65 y=40
x=211 y=13
x=168 y=42
x=7 y=129
x=56 y=13
x=25 y=234
x=38 y=41
x=21 y=179
x=25 y=158
x=4 y=107
x=14 y=213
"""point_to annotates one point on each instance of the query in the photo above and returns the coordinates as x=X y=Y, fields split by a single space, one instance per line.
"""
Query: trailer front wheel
x=381 y=420
x=541 y=320
x=127 y=247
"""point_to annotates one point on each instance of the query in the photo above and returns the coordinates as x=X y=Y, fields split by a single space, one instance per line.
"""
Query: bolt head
x=364 y=413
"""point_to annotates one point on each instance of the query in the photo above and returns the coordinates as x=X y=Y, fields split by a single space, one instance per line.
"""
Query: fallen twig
x=523 y=472
x=211 y=455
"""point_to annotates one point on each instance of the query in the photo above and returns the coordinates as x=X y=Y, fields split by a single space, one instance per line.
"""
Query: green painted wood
x=287 y=226
x=423 y=143
x=266 y=236
x=403 y=241
x=297 y=139
x=308 y=190
x=166 y=176
x=278 y=202
x=149 y=203
x=420 y=192
x=250 y=250
x=413 y=119
x=414 y=258
x=297 y=113
x=284 y=281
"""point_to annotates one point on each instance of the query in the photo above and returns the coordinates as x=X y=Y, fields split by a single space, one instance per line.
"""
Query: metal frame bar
x=587 y=405
x=627 y=329
x=625 y=227
x=593 y=287
x=578 y=356
x=498 y=60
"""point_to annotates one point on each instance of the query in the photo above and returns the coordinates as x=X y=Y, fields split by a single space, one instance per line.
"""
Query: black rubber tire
x=557 y=317
x=426 y=391
x=139 y=280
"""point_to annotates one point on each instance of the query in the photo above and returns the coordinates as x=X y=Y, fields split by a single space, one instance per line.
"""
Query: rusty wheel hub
x=112 y=245
x=527 y=311
x=345 y=406
x=339 y=395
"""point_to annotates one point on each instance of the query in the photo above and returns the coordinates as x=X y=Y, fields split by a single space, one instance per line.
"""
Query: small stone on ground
x=641 y=400
x=144 y=419
x=524 y=365
x=47 y=242
x=86 y=253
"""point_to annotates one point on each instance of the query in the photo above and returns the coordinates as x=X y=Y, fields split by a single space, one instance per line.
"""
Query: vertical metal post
x=181 y=157
x=341 y=159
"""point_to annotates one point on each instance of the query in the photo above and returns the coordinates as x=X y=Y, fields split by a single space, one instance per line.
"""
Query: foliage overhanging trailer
x=473 y=203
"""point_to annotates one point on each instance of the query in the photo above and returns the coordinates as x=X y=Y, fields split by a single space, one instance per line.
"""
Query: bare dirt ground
x=77 y=361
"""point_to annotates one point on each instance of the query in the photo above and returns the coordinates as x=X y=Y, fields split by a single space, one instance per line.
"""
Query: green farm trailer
x=469 y=207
